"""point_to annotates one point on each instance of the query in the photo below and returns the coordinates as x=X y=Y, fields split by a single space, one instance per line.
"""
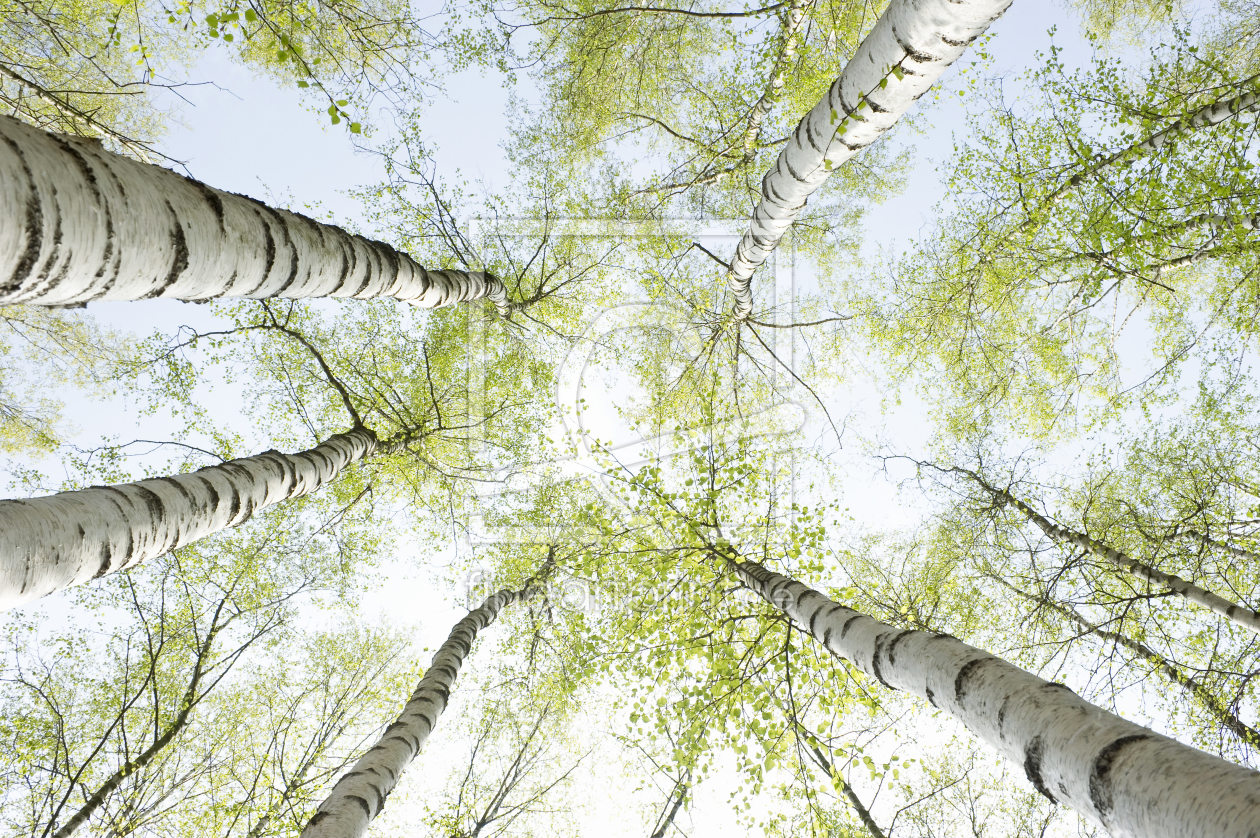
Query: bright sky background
x=246 y=135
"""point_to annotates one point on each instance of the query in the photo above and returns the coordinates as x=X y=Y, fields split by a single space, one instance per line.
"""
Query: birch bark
x=1129 y=779
x=54 y=542
x=360 y=794
x=79 y=223
x=1232 y=611
x=1193 y=687
x=903 y=56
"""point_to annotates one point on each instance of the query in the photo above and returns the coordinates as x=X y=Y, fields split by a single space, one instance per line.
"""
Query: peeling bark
x=1131 y=780
x=360 y=794
x=55 y=542
x=79 y=223
x=903 y=56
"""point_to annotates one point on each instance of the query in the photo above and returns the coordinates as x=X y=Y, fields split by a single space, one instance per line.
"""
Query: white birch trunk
x=360 y=794
x=1211 y=114
x=1219 y=545
x=920 y=38
x=1232 y=611
x=1129 y=779
x=54 y=542
x=79 y=223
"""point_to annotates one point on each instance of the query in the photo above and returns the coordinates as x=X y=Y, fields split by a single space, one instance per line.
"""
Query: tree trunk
x=1219 y=545
x=360 y=794
x=79 y=223
x=1232 y=611
x=51 y=543
x=172 y=730
x=1196 y=690
x=1213 y=113
x=903 y=56
x=1128 y=778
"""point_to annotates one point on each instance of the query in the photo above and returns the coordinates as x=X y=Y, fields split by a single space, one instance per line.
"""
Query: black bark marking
x=152 y=502
x=1032 y=767
x=844 y=629
x=931 y=697
x=875 y=670
x=964 y=675
x=34 y=226
x=813 y=621
x=1057 y=685
x=110 y=236
x=1002 y=717
x=367 y=810
x=179 y=263
x=51 y=262
x=912 y=53
x=85 y=168
x=211 y=491
x=105 y=562
x=215 y=202
x=293 y=256
x=1101 y=793
x=892 y=647
x=234 y=505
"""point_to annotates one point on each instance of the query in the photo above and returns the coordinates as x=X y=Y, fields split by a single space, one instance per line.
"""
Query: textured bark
x=678 y=796
x=918 y=39
x=51 y=543
x=360 y=794
x=1232 y=611
x=1129 y=779
x=1199 y=693
x=79 y=223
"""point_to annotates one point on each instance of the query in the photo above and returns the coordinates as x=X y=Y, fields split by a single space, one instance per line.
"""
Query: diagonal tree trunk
x=129 y=767
x=1128 y=778
x=360 y=794
x=903 y=56
x=1210 y=114
x=1199 y=693
x=1219 y=545
x=79 y=223
x=1232 y=611
x=51 y=543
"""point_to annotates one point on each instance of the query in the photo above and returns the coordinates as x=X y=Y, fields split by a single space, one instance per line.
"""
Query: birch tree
x=360 y=794
x=84 y=224
x=1126 y=777
x=51 y=543
x=1240 y=614
x=82 y=739
x=899 y=61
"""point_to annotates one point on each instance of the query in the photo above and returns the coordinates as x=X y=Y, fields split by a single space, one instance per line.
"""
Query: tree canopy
x=994 y=388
